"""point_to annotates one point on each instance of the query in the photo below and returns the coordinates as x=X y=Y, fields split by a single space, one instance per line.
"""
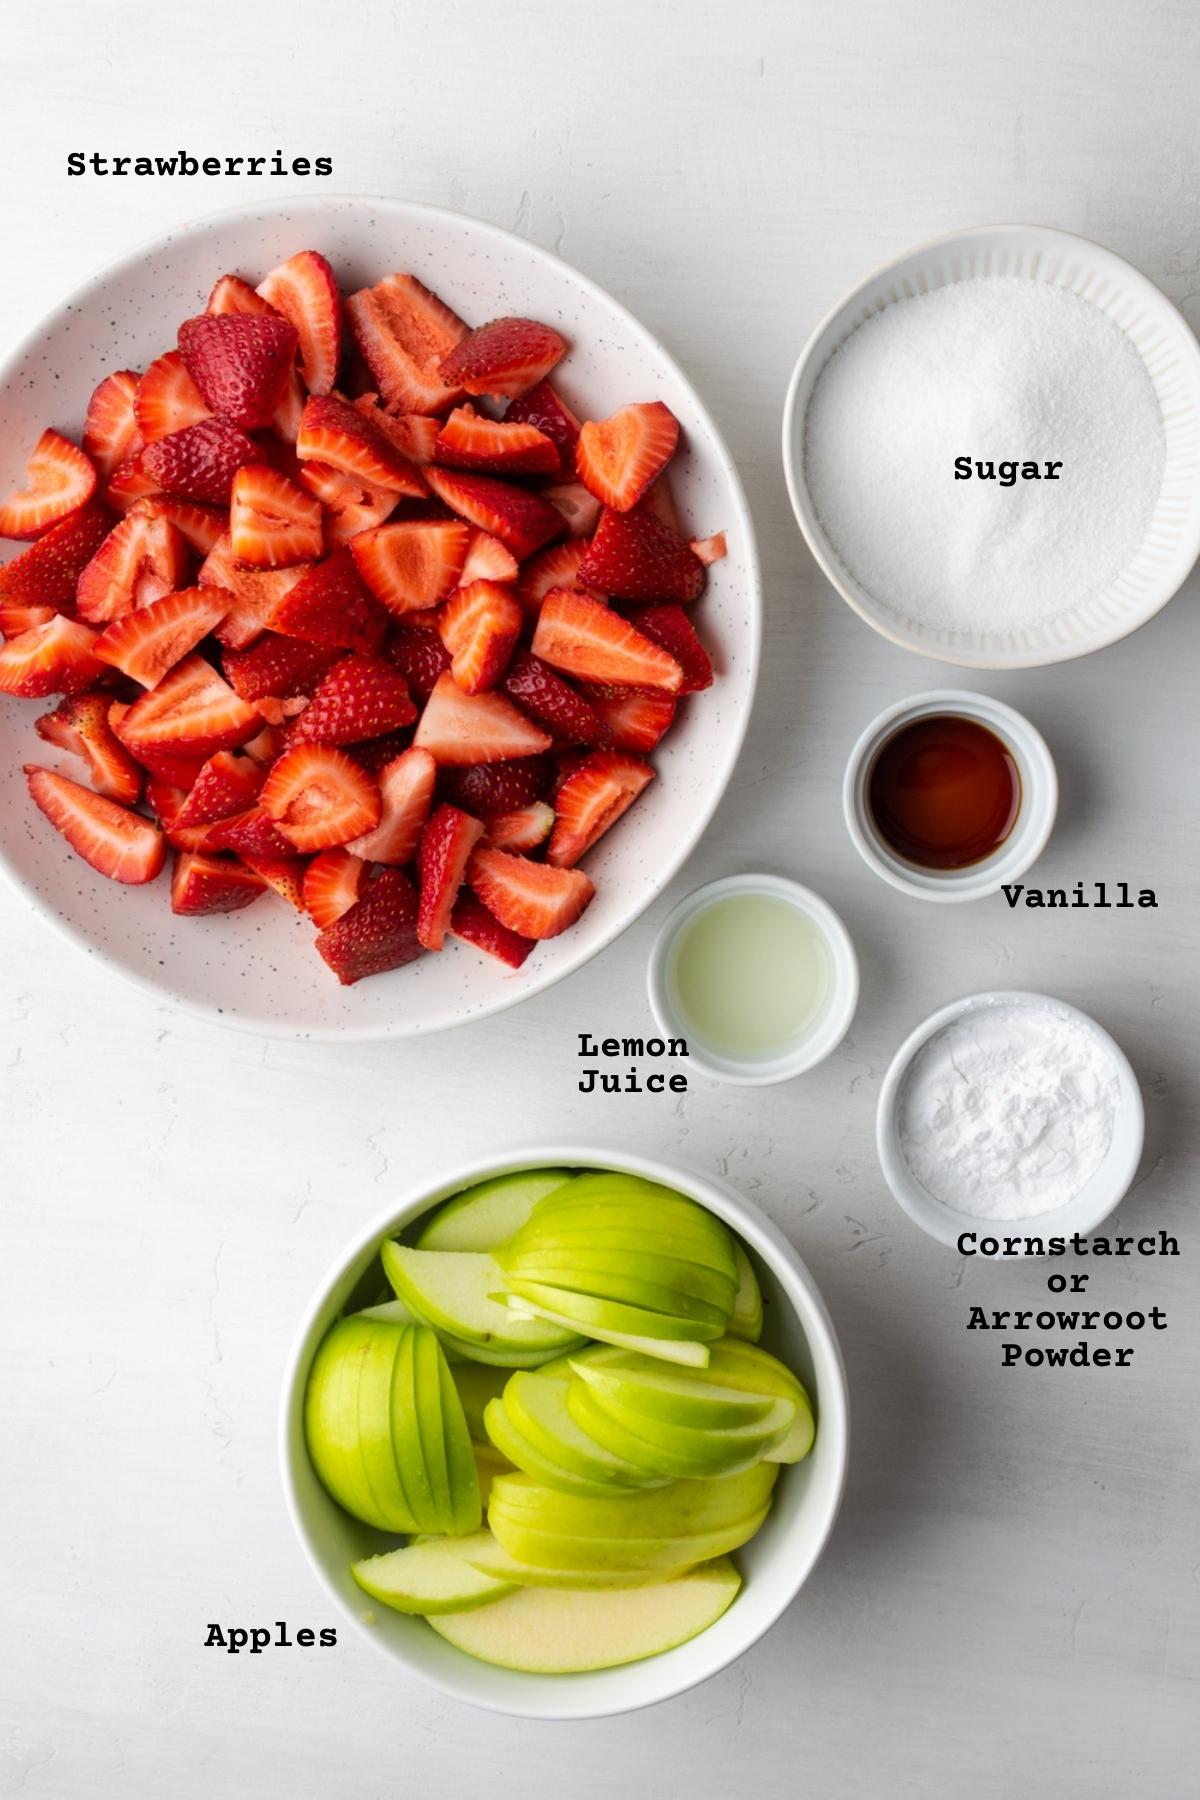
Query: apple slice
x=488 y=1214
x=465 y=1508
x=434 y=1576
x=673 y=1510
x=614 y=1322
x=659 y=1283
x=594 y=1555
x=380 y=1466
x=747 y=1320
x=657 y=1392
x=408 y=1446
x=451 y=1290
x=517 y=1449
x=489 y=1556
x=537 y=1405
x=427 y=1389
x=499 y=1356
x=611 y=1416
x=544 y=1631
x=331 y=1421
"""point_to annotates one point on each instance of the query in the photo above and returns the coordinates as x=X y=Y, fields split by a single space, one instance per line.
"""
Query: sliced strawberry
x=288 y=416
x=116 y=842
x=458 y=728
x=635 y=721
x=59 y=479
x=333 y=882
x=285 y=874
x=318 y=796
x=580 y=510
x=480 y=625
x=634 y=556
x=591 y=800
x=110 y=431
x=556 y=567
x=585 y=638
x=167 y=768
x=256 y=592
x=304 y=289
x=414 y=435
x=361 y=697
x=489 y=790
x=55 y=658
x=530 y=898
x=278 y=667
x=542 y=693
x=506 y=357
x=345 y=437
x=226 y=785
x=467 y=440
x=191 y=713
x=522 y=521
x=46 y=574
x=199 y=462
x=146 y=643
x=377 y=934
x=199 y=526
x=212 y=884
x=331 y=607
x=660 y=500
x=406 y=790
x=239 y=362
x=419 y=654
x=141 y=559
x=233 y=295
x=521 y=831
x=167 y=399
x=472 y=922
x=350 y=505
x=273 y=524
x=446 y=845
x=544 y=407
x=253 y=836
x=403 y=332
x=413 y=565
x=16 y=619
x=670 y=627
x=710 y=549
x=618 y=458
x=129 y=484
x=488 y=560
x=163 y=798
x=81 y=726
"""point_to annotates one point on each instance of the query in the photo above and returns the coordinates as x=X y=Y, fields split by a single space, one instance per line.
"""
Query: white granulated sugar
x=1000 y=369
x=1008 y=1110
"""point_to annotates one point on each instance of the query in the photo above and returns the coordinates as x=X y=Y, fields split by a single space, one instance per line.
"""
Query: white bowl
x=776 y=1562
x=1172 y=359
x=1031 y=829
x=1100 y=1195
x=258 y=969
x=826 y=1031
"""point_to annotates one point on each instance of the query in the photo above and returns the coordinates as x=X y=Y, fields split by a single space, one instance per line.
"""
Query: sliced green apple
x=747 y=1320
x=536 y=1402
x=408 y=1446
x=495 y=1357
x=488 y=1555
x=427 y=1385
x=550 y=1632
x=615 y=1322
x=553 y=1550
x=612 y=1418
x=489 y=1213
x=331 y=1420
x=511 y=1442
x=380 y=1467
x=676 y=1509
x=676 y=1396
x=465 y=1507
x=434 y=1576
x=451 y=1289
x=661 y=1283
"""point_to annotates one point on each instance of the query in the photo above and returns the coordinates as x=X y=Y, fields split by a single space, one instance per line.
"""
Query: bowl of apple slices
x=565 y=1433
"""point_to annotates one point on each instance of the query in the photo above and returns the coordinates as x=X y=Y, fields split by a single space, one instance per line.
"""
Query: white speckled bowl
x=258 y=969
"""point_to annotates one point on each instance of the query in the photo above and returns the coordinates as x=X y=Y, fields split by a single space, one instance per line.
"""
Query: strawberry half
x=350 y=505
x=191 y=713
x=446 y=845
x=585 y=638
x=634 y=721
x=273 y=524
x=533 y=899
x=406 y=786
x=591 y=800
x=467 y=440
x=226 y=785
x=81 y=726
x=489 y=790
x=419 y=654
x=56 y=658
x=46 y=574
x=556 y=567
x=233 y=295
x=360 y=697
x=199 y=526
x=252 y=835
x=304 y=289
x=458 y=728
x=618 y=458
x=318 y=796
x=277 y=667
x=672 y=630
x=110 y=430
x=333 y=431
x=413 y=565
x=284 y=874
x=521 y=831
x=377 y=934
x=506 y=357
x=204 y=884
x=16 y=619
x=333 y=882
x=146 y=643
x=480 y=625
x=59 y=479
x=256 y=593
x=412 y=434
x=544 y=407
x=167 y=399
x=116 y=842
x=542 y=693
x=488 y=560
x=472 y=922
x=634 y=556
x=522 y=521
x=199 y=462
x=129 y=484
x=240 y=363
x=141 y=559
x=330 y=605
x=403 y=332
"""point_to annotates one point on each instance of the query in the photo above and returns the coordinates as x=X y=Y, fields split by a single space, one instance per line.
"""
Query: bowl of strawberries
x=380 y=615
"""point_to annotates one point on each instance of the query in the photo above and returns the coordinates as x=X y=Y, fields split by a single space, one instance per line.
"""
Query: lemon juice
x=750 y=974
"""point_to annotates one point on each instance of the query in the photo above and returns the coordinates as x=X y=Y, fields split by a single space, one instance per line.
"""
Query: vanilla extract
x=1117 y=894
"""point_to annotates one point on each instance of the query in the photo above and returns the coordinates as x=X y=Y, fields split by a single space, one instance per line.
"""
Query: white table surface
x=1010 y=1602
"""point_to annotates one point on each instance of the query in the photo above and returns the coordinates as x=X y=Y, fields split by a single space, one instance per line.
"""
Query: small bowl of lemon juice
x=758 y=974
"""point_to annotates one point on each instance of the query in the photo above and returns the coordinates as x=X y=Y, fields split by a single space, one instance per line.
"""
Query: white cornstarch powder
x=999 y=369
x=1008 y=1110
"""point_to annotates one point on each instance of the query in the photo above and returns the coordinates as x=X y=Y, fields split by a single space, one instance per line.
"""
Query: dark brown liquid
x=944 y=792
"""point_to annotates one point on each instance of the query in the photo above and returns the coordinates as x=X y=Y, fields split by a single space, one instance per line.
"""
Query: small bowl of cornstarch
x=992 y=447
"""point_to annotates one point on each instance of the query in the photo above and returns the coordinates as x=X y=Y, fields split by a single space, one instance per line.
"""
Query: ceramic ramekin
x=1095 y=1201
x=827 y=1030
x=1024 y=843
